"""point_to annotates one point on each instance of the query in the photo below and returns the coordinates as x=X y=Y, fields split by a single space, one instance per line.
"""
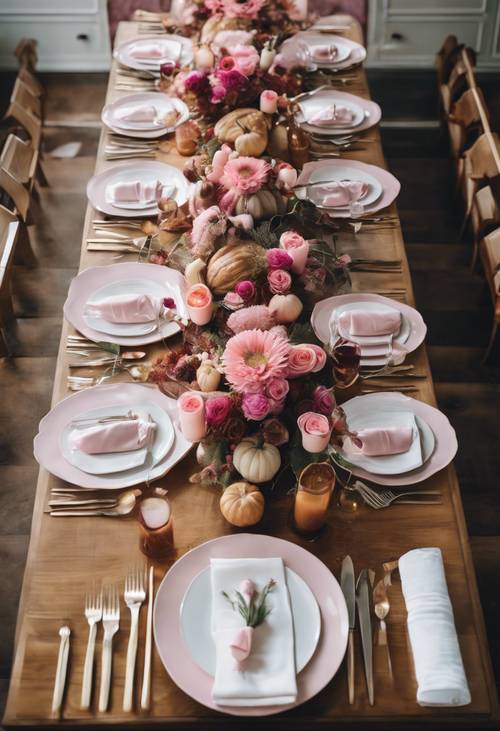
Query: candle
x=186 y=138
x=191 y=409
x=313 y=497
x=199 y=304
x=157 y=533
x=315 y=430
x=269 y=101
x=298 y=10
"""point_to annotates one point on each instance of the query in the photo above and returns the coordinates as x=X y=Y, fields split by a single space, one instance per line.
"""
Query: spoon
x=62 y=665
x=124 y=506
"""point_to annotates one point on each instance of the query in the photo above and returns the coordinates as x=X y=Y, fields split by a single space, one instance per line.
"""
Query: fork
x=378 y=500
x=111 y=623
x=93 y=614
x=135 y=594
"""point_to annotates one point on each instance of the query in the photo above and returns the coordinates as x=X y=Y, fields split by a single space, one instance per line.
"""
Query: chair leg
x=4 y=346
x=492 y=341
x=40 y=175
x=475 y=257
x=25 y=253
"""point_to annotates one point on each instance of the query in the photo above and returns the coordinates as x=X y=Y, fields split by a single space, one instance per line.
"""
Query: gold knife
x=348 y=590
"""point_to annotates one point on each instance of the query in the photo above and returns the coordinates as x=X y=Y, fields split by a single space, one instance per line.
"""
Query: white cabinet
x=72 y=35
x=408 y=33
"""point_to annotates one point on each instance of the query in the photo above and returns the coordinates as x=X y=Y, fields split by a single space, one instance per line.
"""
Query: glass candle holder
x=157 y=530
x=186 y=138
x=312 y=498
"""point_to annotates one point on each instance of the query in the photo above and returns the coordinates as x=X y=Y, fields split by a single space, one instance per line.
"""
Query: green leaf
x=302 y=332
x=109 y=347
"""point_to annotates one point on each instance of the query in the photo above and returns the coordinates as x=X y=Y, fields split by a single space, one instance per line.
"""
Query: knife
x=348 y=590
x=365 y=624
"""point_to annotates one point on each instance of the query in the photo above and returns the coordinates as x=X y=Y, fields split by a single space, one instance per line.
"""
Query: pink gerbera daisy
x=246 y=175
x=252 y=358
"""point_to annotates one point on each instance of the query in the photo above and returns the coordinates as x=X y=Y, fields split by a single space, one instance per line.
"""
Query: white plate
x=338 y=173
x=401 y=337
x=173 y=45
x=357 y=53
x=195 y=618
x=126 y=286
x=343 y=51
x=110 y=463
x=314 y=104
x=163 y=103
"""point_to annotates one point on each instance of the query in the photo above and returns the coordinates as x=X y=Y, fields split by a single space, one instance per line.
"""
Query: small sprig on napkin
x=251 y=604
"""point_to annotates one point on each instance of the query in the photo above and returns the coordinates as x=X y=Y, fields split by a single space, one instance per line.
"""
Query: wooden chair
x=464 y=120
x=9 y=231
x=18 y=164
x=26 y=54
x=445 y=58
x=26 y=99
x=490 y=256
x=484 y=218
x=479 y=163
x=28 y=121
x=452 y=89
x=30 y=80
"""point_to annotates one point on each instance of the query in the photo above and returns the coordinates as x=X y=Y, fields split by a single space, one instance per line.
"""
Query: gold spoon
x=124 y=506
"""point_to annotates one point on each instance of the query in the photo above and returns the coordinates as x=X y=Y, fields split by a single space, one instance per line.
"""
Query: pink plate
x=320 y=318
x=46 y=444
x=167 y=627
x=332 y=96
x=313 y=38
x=94 y=278
x=390 y=185
x=446 y=439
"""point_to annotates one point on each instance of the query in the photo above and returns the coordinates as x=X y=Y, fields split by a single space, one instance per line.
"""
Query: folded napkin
x=145 y=113
x=331 y=115
x=267 y=676
x=134 y=191
x=436 y=653
x=148 y=50
x=377 y=442
x=126 y=308
x=342 y=192
x=324 y=53
x=120 y=436
x=367 y=323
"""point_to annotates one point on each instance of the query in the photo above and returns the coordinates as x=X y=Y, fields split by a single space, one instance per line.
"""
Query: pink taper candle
x=199 y=304
x=191 y=409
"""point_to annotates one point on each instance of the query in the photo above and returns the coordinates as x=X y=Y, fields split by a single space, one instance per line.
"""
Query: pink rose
x=255 y=406
x=277 y=389
x=320 y=358
x=298 y=248
x=315 y=430
x=324 y=401
x=278 y=259
x=246 y=290
x=274 y=432
x=233 y=301
x=217 y=410
x=301 y=360
x=245 y=58
x=279 y=281
x=287 y=176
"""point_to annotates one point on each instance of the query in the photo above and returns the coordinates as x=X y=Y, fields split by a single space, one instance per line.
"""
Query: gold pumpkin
x=242 y=504
x=233 y=125
x=232 y=263
x=262 y=205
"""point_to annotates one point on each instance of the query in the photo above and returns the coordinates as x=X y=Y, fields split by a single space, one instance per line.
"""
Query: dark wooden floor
x=454 y=303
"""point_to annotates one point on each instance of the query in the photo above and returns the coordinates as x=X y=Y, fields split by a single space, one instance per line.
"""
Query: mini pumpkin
x=246 y=129
x=262 y=205
x=256 y=460
x=232 y=263
x=242 y=504
x=208 y=377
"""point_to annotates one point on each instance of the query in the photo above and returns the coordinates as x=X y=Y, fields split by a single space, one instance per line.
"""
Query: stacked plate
x=335 y=185
x=376 y=351
x=149 y=53
x=146 y=116
x=329 y=51
x=99 y=283
x=182 y=615
x=55 y=449
x=359 y=114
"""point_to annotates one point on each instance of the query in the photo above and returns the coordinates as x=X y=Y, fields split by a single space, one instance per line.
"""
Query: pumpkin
x=208 y=377
x=251 y=144
x=193 y=272
x=285 y=308
x=256 y=460
x=232 y=263
x=278 y=143
x=217 y=23
x=242 y=504
x=261 y=205
x=235 y=123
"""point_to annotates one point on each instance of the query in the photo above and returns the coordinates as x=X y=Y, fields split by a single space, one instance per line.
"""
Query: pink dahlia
x=251 y=318
x=253 y=358
x=245 y=175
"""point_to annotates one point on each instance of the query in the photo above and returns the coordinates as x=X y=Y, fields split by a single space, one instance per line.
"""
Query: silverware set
x=83 y=502
x=379 y=499
x=85 y=353
x=121 y=147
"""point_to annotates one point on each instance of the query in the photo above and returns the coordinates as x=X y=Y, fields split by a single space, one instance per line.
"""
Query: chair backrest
x=482 y=162
x=26 y=54
x=28 y=121
x=26 y=99
x=487 y=211
x=465 y=111
x=18 y=161
x=30 y=80
x=447 y=51
x=9 y=226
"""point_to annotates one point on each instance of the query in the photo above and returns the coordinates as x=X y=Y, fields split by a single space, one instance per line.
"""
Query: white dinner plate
x=177 y=49
x=343 y=51
x=163 y=104
x=125 y=286
x=195 y=618
x=314 y=104
x=110 y=463
x=401 y=337
x=338 y=173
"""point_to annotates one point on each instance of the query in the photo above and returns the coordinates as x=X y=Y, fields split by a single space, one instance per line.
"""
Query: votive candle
x=313 y=498
x=269 y=101
x=199 y=304
x=157 y=532
x=191 y=408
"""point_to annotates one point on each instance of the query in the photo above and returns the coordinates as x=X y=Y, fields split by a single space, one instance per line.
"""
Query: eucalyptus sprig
x=254 y=611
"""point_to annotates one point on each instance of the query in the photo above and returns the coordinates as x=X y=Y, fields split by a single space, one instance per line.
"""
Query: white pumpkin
x=208 y=377
x=255 y=460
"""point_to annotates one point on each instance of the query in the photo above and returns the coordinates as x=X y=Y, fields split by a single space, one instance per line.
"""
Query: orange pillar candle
x=313 y=497
x=157 y=531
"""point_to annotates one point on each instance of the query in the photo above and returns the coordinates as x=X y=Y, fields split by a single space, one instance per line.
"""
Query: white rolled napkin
x=431 y=627
x=267 y=676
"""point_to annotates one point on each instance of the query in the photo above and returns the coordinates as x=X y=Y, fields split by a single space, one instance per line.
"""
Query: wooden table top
x=65 y=554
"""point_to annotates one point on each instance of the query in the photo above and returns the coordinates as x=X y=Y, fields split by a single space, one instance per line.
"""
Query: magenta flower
x=255 y=406
x=323 y=400
x=246 y=290
x=278 y=259
x=217 y=410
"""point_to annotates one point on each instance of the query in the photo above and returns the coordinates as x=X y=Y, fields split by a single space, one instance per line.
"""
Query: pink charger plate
x=167 y=627
x=320 y=318
x=47 y=450
x=391 y=185
x=331 y=96
x=446 y=438
x=94 y=278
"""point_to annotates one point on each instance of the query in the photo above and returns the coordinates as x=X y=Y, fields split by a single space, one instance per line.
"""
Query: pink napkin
x=324 y=53
x=134 y=191
x=342 y=192
x=148 y=50
x=126 y=308
x=331 y=115
x=380 y=442
x=121 y=436
x=366 y=323
x=146 y=113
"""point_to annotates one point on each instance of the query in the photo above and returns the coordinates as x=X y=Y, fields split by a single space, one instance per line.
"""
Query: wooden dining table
x=65 y=554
